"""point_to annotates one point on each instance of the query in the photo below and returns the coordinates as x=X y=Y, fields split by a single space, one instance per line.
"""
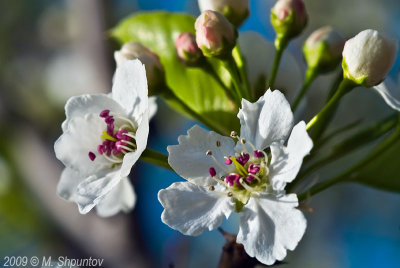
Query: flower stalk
x=155 y=158
x=319 y=123
x=356 y=141
x=348 y=175
x=310 y=76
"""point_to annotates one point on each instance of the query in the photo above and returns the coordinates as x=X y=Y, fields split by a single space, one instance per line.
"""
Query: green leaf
x=383 y=172
x=194 y=86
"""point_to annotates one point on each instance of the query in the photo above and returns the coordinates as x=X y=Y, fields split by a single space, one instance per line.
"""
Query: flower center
x=245 y=173
x=118 y=138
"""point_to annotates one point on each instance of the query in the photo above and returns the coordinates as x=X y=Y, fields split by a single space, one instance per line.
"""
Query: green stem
x=241 y=65
x=350 y=144
x=209 y=68
x=155 y=158
x=348 y=174
x=230 y=66
x=311 y=74
x=319 y=123
x=280 y=45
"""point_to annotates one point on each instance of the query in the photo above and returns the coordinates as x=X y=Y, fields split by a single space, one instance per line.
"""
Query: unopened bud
x=236 y=11
x=187 y=50
x=289 y=18
x=323 y=49
x=215 y=35
x=154 y=69
x=368 y=57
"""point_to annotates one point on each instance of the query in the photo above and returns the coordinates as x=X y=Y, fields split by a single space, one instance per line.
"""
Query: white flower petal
x=267 y=120
x=93 y=189
x=390 y=93
x=130 y=87
x=121 y=198
x=68 y=184
x=189 y=158
x=191 y=209
x=80 y=106
x=259 y=53
x=269 y=226
x=286 y=161
x=81 y=136
x=142 y=134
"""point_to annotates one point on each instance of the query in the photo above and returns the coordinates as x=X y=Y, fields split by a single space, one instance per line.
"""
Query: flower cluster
x=231 y=83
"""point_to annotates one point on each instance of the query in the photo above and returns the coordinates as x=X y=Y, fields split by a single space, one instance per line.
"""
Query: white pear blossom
x=246 y=174
x=258 y=53
x=103 y=136
x=367 y=58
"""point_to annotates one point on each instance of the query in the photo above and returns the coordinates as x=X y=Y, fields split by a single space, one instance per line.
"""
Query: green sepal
x=346 y=74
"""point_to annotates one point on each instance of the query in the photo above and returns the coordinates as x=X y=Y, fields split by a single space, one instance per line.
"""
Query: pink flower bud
x=154 y=68
x=323 y=49
x=236 y=11
x=187 y=49
x=215 y=35
x=289 y=18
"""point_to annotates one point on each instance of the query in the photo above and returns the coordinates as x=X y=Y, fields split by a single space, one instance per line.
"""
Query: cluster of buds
x=323 y=49
x=368 y=57
x=236 y=11
x=289 y=18
x=154 y=69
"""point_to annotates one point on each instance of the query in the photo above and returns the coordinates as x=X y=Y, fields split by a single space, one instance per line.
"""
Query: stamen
x=228 y=161
x=218 y=143
x=211 y=188
x=208 y=152
x=234 y=134
x=104 y=113
x=212 y=172
x=113 y=159
x=92 y=156
x=247 y=187
x=126 y=120
x=109 y=120
x=100 y=149
x=253 y=168
x=243 y=158
x=243 y=141
x=258 y=154
x=130 y=134
x=125 y=148
x=229 y=194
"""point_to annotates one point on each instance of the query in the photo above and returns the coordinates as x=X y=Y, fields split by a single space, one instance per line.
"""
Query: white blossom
x=103 y=136
x=247 y=174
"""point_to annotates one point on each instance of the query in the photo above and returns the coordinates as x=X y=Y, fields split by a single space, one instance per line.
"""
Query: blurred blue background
x=52 y=49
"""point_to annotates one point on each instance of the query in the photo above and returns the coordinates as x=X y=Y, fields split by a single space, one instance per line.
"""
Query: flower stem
x=318 y=123
x=280 y=45
x=311 y=74
x=350 y=144
x=233 y=71
x=241 y=65
x=155 y=158
x=209 y=68
x=349 y=174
